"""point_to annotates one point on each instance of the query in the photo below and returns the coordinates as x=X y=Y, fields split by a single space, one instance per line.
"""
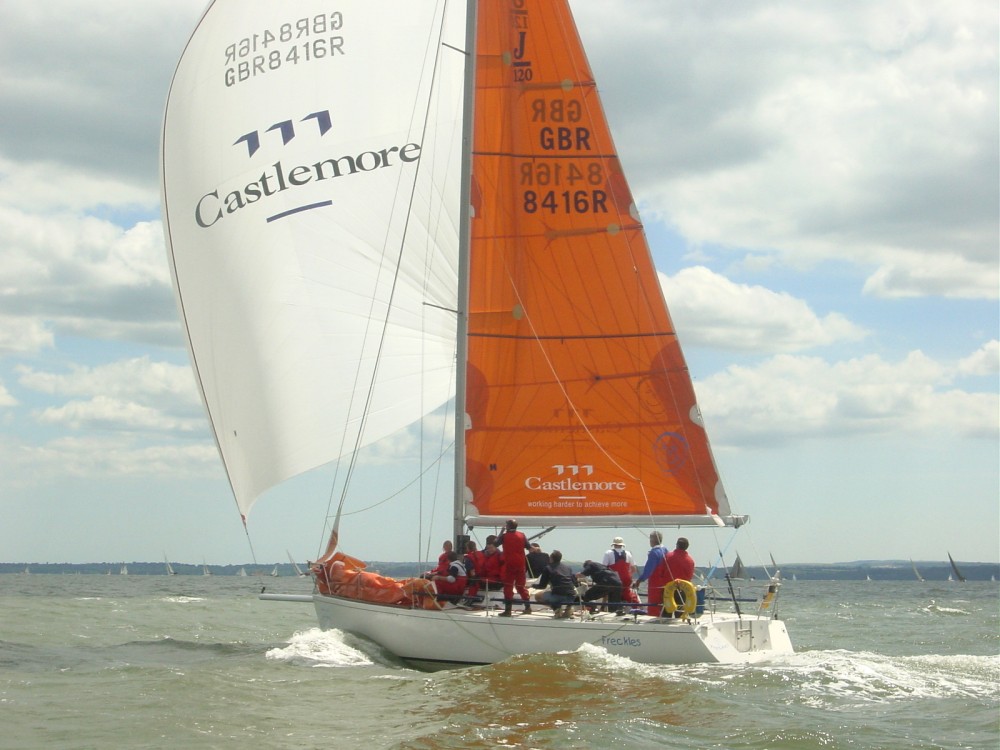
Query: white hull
x=457 y=636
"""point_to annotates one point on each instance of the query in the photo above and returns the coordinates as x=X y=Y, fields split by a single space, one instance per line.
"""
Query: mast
x=464 y=241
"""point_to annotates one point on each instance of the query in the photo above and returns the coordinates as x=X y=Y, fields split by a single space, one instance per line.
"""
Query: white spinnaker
x=286 y=317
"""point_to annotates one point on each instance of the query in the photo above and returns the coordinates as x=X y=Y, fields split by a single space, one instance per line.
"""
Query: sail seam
x=546 y=157
x=581 y=337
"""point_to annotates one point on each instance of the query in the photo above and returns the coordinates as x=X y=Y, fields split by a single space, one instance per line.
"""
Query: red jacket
x=442 y=566
x=492 y=567
x=679 y=564
x=478 y=560
x=514 y=545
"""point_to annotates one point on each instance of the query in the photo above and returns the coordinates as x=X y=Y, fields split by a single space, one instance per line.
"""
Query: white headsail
x=286 y=208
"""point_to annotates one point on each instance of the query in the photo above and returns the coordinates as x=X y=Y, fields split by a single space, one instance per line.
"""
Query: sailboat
x=958 y=574
x=738 y=572
x=169 y=567
x=242 y=573
x=124 y=570
x=295 y=566
x=915 y=571
x=777 y=571
x=371 y=224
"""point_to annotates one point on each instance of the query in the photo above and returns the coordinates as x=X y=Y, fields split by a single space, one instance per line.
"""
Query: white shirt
x=609 y=558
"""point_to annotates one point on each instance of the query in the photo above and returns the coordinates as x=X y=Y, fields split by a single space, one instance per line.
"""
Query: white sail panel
x=310 y=193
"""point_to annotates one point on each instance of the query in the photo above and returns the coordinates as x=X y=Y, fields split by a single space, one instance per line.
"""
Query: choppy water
x=193 y=662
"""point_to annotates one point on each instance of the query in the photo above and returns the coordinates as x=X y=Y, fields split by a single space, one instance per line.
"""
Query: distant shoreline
x=875 y=570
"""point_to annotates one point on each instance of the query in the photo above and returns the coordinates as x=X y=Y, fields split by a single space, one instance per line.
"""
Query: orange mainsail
x=578 y=395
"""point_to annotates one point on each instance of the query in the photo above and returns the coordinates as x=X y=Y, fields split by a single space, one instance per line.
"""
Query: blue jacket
x=656 y=556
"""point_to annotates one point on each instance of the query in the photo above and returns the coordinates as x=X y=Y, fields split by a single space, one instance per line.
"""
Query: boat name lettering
x=211 y=207
x=301 y=40
x=537 y=483
x=621 y=640
x=566 y=202
x=544 y=172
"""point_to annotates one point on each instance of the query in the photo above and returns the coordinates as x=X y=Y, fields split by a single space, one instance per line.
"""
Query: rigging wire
x=372 y=319
x=436 y=462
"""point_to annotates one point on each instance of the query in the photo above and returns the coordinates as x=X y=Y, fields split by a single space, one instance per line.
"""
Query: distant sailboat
x=776 y=576
x=26 y=571
x=274 y=572
x=170 y=568
x=204 y=569
x=124 y=570
x=295 y=565
x=242 y=573
x=958 y=573
x=738 y=572
x=916 y=572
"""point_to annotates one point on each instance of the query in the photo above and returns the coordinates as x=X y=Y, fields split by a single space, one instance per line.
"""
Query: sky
x=819 y=184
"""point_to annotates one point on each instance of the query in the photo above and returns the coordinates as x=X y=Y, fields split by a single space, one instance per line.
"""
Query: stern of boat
x=747 y=639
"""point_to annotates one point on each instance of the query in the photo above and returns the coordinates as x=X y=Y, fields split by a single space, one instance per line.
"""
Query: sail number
x=566 y=201
x=268 y=50
x=570 y=173
x=315 y=26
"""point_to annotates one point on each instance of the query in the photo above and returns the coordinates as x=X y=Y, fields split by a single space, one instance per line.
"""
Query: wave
x=934 y=608
x=864 y=677
x=321 y=648
x=824 y=678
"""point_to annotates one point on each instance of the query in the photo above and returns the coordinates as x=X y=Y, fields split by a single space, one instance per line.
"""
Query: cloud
x=945 y=275
x=128 y=395
x=102 y=456
x=44 y=188
x=713 y=311
x=132 y=377
x=130 y=417
x=985 y=361
x=80 y=275
x=865 y=133
x=102 y=412
x=22 y=335
x=795 y=397
x=92 y=101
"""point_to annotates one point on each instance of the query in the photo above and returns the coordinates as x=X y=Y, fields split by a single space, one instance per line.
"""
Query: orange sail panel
x=579 y=399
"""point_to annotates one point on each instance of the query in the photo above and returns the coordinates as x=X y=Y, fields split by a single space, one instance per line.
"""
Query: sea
x=94 y=661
